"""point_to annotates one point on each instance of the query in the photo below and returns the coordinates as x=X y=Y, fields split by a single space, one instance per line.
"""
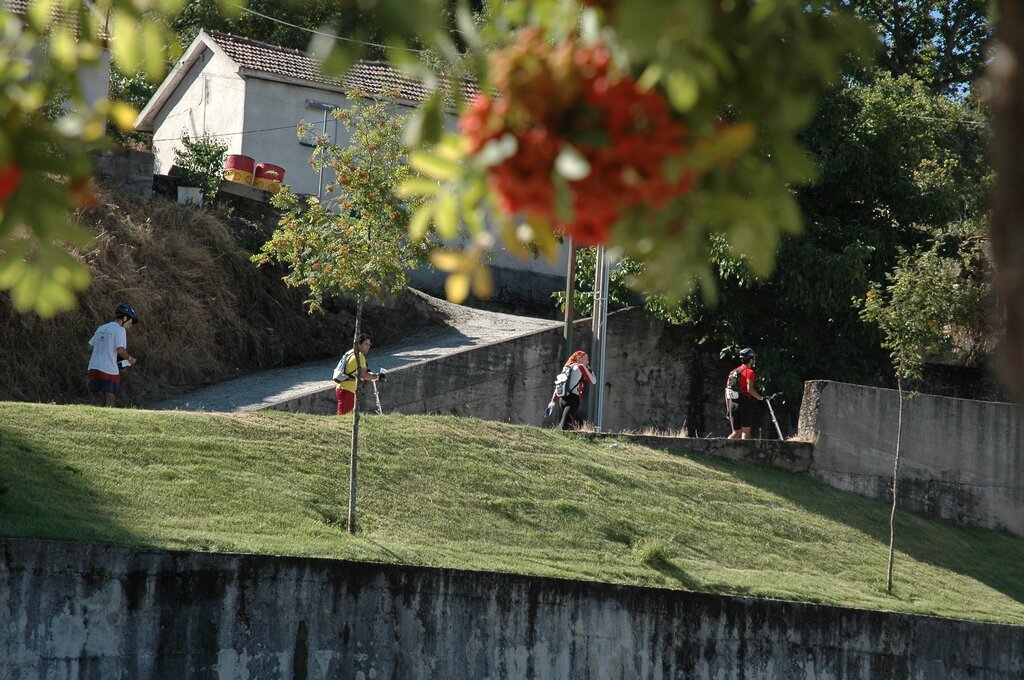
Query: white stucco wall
x=209 y=100
x=273 y=110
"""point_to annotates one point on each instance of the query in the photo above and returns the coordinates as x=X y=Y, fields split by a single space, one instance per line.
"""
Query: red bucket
x=269 y=176
x=238 y=168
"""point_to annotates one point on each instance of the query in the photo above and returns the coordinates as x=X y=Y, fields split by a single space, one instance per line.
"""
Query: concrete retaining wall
x=792 y=456
x=961 y=460
x=86 y=611
x=646 y=382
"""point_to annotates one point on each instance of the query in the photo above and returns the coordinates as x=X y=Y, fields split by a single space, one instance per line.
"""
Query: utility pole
x=327 y=108
x=570 y=288
x=599 y=346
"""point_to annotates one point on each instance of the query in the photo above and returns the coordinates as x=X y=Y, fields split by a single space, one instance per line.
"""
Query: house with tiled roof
x=251 y=95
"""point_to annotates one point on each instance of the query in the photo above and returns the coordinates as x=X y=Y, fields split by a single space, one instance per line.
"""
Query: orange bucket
x=238 y=168
x=268 y=177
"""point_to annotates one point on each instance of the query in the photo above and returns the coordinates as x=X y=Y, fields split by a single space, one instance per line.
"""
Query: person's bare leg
x=110 y=399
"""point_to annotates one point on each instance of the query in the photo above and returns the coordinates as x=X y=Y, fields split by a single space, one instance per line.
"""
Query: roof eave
x=319 y=85
x=203 y=42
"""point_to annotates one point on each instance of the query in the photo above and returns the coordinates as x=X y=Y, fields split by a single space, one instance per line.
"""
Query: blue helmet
x=747 y=353
x=125 y=309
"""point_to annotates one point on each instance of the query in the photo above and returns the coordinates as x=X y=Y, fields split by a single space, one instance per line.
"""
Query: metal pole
x=602 y=362
x=323 y=133
x=570 y=287
x=595 y=328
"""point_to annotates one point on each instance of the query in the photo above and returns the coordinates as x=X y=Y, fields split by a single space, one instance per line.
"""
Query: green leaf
x=124 y=43
x=433 y=166
x=418 y=186
x=420 y=222
x=446 y=216
x=153 y=38
x=683 y=90
x=425 y=125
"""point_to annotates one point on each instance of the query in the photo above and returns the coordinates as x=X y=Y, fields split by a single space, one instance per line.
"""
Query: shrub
x=202 y=160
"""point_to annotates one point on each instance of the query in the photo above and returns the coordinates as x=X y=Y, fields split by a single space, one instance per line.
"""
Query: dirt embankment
x=207 y=313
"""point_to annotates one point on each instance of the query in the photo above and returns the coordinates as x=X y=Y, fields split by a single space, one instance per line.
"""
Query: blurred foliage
x=354 y=240
x=760 y=64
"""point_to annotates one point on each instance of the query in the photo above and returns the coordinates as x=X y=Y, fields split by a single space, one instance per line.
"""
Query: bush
x=202 y=160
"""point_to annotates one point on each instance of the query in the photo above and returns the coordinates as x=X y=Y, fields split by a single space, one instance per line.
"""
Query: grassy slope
x=480 y=495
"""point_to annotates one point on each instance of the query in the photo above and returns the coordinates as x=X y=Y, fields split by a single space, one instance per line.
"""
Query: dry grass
x=207 y=313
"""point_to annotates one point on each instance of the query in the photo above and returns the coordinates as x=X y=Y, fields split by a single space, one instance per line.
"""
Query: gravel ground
x=467 y=327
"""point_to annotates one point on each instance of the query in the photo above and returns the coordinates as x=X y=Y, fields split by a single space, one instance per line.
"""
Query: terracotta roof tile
x=372 y=77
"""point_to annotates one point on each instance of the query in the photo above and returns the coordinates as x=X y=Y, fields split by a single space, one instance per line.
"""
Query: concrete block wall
x=78 y=611
x=646 y=381
x=960 y=460
x=128 y=169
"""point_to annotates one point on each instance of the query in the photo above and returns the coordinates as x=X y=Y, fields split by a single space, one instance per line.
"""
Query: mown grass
x=480 y=495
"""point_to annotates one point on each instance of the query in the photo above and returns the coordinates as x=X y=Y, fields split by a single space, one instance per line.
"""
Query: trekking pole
x=381 y=372
x=768 y=400
x=376 y=394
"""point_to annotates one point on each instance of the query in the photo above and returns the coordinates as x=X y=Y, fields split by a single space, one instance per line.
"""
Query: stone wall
x=73 y=611
x=960 y=460
x=647 y=381
x=129 y=170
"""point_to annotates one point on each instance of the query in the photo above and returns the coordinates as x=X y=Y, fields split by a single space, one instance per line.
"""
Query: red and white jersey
x=579 y=375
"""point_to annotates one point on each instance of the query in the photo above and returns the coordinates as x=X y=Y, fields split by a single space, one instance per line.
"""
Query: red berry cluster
x=569 y=95
x=10 y=178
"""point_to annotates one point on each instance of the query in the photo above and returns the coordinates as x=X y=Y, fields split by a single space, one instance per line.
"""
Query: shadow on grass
x=676 y=573
x=988 y=556
x=45 y=496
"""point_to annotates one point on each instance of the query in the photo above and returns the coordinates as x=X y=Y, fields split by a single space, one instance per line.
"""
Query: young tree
x=354 y=241
x=932 y=302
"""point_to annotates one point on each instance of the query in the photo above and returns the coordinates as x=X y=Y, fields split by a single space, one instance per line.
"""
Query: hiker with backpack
x=740 y=395
x=568 y=392
x=346 y=371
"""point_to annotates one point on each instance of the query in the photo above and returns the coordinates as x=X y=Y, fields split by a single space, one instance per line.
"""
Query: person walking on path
x=345 y=374
x=569 y=390
x=109 y=353
x=740 y=394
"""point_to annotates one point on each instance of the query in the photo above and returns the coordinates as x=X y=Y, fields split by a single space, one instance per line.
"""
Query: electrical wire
x=327 y=35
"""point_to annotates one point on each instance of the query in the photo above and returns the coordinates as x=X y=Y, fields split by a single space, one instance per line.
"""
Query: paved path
x=466 y=328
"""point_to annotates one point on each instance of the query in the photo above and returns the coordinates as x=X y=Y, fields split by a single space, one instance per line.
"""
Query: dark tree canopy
x=939 y=42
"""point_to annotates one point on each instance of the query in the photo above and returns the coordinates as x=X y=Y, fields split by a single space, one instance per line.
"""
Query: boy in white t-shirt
x=109 y=345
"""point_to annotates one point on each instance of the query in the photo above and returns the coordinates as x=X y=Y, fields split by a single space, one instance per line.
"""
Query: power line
x=327 y=35
x=230 y=134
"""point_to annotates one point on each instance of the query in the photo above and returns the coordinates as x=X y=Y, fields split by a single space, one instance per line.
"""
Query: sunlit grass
x=481 y=495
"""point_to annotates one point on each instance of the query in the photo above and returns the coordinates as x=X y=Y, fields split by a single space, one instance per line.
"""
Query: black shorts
x=744 y=415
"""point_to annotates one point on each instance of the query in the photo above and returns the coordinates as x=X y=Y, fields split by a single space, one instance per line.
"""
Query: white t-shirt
x=105 y=342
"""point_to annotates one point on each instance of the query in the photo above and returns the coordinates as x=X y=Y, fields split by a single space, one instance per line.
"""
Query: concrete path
x=466 y=328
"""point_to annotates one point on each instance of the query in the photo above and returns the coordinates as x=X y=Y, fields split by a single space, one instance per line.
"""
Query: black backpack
x=732 y=384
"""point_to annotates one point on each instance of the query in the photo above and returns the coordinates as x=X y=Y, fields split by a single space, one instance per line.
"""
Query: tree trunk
x=1006 y=95
x=895 y=478
x=354 y=461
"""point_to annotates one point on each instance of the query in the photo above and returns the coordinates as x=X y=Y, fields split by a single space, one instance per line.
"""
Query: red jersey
x=746 y=380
